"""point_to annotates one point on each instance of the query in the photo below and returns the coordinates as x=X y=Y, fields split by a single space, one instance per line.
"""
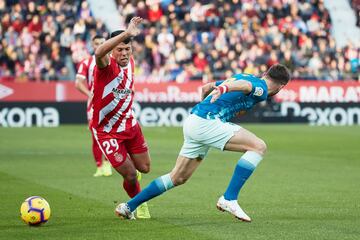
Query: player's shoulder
x=110 y=67
x=259 y=87
x=245 y=76
x=254 y=80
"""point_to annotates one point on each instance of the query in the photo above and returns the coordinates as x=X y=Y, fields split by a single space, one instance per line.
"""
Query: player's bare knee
x=260 y=147
x=144 y=168
x=178 y=180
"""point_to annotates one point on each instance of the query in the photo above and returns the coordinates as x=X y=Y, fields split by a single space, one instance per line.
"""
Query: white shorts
x=200 y=134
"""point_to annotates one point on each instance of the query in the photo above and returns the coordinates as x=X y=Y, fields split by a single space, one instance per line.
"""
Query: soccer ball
x=35 y=211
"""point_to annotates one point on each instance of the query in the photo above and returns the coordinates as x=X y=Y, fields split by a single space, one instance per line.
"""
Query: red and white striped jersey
x=86 y=70
x=113 y=97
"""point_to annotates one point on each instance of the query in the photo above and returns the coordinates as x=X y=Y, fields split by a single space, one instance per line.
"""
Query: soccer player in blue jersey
x=208 y=126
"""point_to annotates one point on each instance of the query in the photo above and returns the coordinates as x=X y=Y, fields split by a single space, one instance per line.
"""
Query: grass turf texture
x=306 y=188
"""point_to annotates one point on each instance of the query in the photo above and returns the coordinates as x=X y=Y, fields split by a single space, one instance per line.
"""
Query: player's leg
x=141 y=161
x=182 y=171
x=128 y=171
x=139 y=155
x=244 y=140
x=115 y=151
x=138 y=150
x=189 y=159
x=254 y=148
x=130 y=184
x=142 y=164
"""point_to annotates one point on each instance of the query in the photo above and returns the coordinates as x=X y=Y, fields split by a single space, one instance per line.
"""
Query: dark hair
x=118 y=32
x=279 y=74
x=97 y=36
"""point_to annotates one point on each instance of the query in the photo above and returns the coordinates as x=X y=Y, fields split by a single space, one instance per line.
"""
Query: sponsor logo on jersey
x=258 y=91
x=121 y=93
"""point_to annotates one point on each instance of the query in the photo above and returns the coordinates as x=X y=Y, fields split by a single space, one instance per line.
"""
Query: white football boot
x=123 y=211
x=233 y=208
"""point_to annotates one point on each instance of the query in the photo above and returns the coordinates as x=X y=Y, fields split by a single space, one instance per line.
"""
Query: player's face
x=122 y=53
x=97 y=42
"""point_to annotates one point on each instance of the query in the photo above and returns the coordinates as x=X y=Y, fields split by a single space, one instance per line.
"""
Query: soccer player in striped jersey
x=84 y=83
x=113 y=124
x=208 y=126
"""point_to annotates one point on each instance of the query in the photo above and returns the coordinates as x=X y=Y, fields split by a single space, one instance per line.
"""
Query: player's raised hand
x=218 y=91
x=133 y=29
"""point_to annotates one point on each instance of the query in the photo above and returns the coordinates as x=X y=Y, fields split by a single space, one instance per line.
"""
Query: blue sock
x=155 y=188
x=243 y=170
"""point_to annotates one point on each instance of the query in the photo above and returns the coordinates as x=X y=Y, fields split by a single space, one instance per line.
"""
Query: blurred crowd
x=186 y=40
x=182 y=40
x=45 y=40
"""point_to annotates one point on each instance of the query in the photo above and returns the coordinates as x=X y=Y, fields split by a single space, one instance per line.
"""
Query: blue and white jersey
x=231 y=103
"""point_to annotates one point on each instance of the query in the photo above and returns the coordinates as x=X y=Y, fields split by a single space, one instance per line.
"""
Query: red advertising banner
x=295 y=91
x=318 y=91
x=66 y=91
x=39 y=92
x=168 y=92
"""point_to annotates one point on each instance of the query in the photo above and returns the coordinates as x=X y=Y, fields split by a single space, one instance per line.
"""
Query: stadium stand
x=45 y=40
x=183 y=40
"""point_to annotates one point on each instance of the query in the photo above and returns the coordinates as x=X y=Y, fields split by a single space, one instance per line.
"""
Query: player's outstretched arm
x=240 y=85
x=101 y=53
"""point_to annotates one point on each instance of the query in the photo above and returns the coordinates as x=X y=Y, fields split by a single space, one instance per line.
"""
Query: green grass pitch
x=307 y=187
